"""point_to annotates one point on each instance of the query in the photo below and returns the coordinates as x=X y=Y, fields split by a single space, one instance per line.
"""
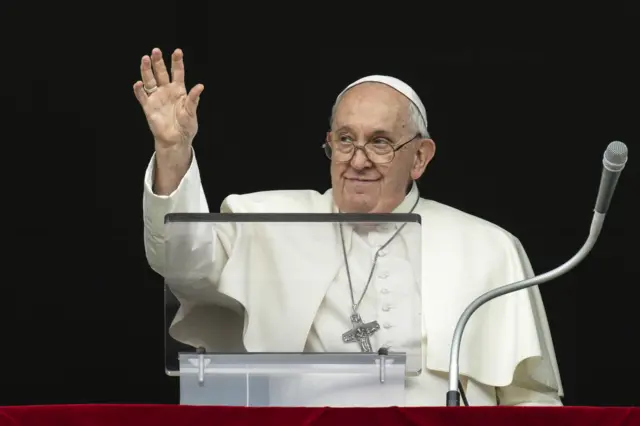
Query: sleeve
x=544 y=371
x=523 y=397
x=193 y=268
x=198 y=251
x=187 y=198
x=536 y=382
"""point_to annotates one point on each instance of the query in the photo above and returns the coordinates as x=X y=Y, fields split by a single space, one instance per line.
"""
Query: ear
x=328 y=138
x=424 y=154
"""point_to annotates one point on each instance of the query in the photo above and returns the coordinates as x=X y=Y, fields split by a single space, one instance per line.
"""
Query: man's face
x=372 y=112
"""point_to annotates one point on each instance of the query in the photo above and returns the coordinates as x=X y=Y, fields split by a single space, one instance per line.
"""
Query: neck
x=410 y=199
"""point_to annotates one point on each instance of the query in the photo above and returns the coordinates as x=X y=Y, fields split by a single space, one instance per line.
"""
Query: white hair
x=415 y=118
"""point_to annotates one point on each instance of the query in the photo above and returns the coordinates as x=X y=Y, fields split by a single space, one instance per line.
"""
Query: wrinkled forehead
x=370 y=107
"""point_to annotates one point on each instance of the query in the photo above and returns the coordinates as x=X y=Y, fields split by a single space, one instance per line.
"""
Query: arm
x=172 y=180
x=199 y=253
x=172 y=185
x=187 y=197
x=523 y=391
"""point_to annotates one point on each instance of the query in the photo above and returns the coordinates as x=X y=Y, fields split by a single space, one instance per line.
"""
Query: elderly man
x=379 y=146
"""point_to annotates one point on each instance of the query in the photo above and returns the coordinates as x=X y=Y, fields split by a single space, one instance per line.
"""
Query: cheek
x=337 y=170
x=396 y=175
x=385 y=170
x=390 y=173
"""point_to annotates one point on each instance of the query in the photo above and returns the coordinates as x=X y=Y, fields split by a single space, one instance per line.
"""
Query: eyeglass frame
x=395 y=148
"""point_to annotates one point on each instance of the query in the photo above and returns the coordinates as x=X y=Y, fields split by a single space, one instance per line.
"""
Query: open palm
x=170 y=110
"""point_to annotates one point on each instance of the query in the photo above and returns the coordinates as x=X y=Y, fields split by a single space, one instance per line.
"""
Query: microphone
x=614 y=161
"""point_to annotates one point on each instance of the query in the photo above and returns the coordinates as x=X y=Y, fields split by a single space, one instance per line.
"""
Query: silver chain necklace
x=361 y=332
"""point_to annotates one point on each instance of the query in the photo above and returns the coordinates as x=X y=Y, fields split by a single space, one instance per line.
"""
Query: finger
x=146 y=73
x=159 y=68
x=193 y=98
x=141 y=95
x=177 y=66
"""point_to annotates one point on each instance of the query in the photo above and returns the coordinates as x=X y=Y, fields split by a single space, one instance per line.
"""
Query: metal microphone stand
x=614 y=160
x=453 y=396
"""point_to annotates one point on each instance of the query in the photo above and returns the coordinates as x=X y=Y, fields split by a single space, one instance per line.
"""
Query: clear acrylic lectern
x=259 y=312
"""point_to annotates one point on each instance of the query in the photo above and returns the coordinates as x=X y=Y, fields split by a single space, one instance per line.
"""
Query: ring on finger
x=149 y=90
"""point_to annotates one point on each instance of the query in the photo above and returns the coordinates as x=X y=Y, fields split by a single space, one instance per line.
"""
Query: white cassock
x=507 y=355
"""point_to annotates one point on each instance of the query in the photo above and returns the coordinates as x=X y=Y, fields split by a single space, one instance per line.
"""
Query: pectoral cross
x=361 y=332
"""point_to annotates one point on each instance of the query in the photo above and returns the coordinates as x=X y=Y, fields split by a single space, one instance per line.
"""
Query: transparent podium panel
x=242 y=289
x=292 y=380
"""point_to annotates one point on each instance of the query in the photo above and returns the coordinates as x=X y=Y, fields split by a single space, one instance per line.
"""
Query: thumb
x=193 y=98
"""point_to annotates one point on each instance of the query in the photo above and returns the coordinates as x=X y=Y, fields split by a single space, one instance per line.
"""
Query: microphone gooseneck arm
x=453 y=396
x=614 y=160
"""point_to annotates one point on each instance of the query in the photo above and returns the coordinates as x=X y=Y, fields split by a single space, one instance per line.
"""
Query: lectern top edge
x=294 y=217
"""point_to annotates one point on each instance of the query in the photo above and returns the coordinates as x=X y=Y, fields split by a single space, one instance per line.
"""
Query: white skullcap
x=396 y=84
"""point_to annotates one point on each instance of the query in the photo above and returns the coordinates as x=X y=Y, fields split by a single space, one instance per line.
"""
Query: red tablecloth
x=175 y=415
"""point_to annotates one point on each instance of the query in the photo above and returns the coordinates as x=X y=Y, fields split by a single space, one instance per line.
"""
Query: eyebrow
x=376 y=132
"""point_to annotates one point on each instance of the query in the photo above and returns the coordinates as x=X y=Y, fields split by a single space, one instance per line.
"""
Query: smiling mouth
x=362 y=180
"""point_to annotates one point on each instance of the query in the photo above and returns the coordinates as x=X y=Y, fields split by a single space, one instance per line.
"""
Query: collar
x=404 y=207
x=408 y=202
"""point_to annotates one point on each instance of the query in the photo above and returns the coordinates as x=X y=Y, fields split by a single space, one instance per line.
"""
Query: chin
x=357 y=197
x=356 y=209
x=357 y=203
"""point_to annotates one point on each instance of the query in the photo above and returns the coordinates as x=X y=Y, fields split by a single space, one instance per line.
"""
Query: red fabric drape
x=176 y=415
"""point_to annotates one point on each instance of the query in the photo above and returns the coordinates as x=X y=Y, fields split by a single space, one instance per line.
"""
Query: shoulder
x=477 y=243
x=278 y=201
x=452 y=223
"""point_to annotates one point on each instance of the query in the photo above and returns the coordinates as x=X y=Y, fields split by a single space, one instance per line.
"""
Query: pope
x=378 y=145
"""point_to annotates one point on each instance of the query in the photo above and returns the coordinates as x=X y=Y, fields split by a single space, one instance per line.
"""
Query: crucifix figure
x=361 y=332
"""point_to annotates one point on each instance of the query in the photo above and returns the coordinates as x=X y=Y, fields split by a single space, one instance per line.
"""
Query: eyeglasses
x=378 y=151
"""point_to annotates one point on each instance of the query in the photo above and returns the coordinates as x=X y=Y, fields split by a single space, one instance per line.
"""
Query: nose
x=360 y=160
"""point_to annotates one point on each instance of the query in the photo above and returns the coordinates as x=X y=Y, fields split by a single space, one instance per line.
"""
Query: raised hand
x=171 y=114
x=170 y=110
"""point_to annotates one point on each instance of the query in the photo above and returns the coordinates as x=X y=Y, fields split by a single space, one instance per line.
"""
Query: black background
x=520 y=134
